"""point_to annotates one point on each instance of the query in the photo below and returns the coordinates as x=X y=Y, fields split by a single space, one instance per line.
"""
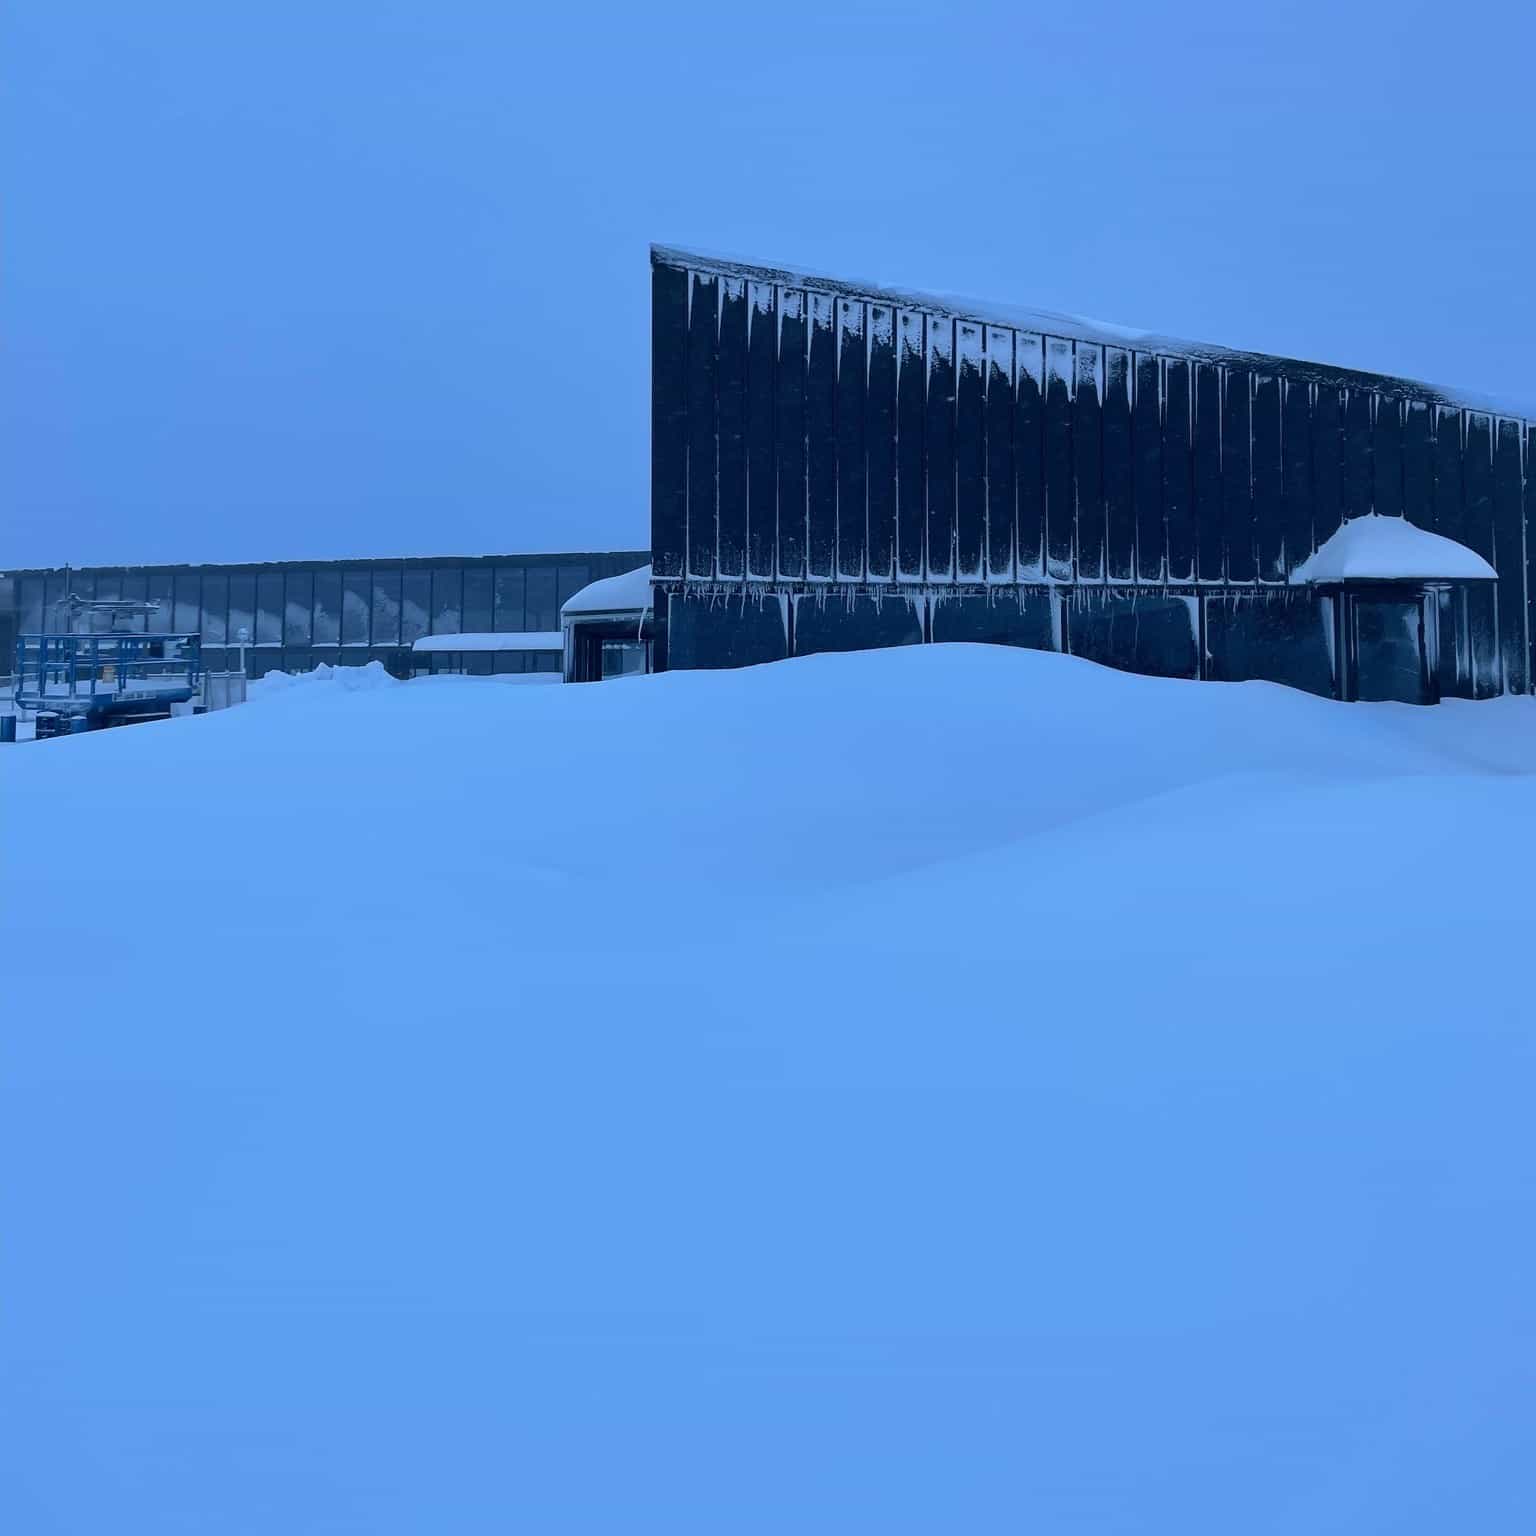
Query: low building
x=838 y=465
x=607 y=628
x=294 y=615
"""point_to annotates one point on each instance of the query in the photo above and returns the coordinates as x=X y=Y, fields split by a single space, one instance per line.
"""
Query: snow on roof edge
x=512 y=640
x=1083 y=328
x=629 y=592
x=1377 y=548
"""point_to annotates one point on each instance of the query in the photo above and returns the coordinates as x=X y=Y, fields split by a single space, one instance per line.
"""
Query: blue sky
x=333 y=278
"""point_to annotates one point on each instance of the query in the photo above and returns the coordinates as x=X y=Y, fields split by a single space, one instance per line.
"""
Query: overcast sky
x=306 y=278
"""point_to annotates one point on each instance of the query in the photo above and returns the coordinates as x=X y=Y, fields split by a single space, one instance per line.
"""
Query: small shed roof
x=527 y=640
x=629 y=593
x=1376 y=548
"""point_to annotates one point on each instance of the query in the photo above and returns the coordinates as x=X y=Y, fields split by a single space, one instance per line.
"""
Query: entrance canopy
x=1375 y=548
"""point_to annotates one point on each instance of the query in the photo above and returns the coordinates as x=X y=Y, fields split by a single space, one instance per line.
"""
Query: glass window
x=477 y=663
x=242 y=609
x=327 y=607
x=416 y=606
x=356 y=594
x=186 y=617
x=162 y=620
x=269 y=608
x=297 y=659
x=215 y=607
x=55 y=619
x=136 y=589
x=623 y=658
x=546 y=661
x=298 y=599
x=543 y=609
x=30 y=604
x=386 y=607
x=511 y=661
x=477 y=600
x=324 y=658
x=447 y=592
x=572 y=579
x=509 y=599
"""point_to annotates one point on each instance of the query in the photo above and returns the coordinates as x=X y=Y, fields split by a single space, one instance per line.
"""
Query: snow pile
x=944 y=1089
x=1375 y=548
x=370 y=676
x=628 y=593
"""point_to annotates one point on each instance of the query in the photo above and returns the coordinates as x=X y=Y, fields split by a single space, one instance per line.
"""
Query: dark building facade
x=299 y=614
x=838 y=466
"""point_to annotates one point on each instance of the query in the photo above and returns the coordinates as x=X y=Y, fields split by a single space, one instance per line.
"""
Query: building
x=836 y=466
x=297 y=614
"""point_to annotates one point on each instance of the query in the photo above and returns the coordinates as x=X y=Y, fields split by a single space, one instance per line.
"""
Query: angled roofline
x=1080 y=328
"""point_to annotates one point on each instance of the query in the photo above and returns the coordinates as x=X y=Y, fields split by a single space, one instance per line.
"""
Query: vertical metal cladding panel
x=1327 y=463
x=1530 y=556
x=1450 y=501
x=1087 y=461
x=852 y=481
x=1000 y=486
x=703 y=469
x=1147 y=446
x=762 y=477
x=1359 y=425
x=1237 y=474
x=1279 y=636
x=1029 y=453
x=1296 y=470
x=789 y=433
x=911 y=415
x=970 y=452
x=1022 y=616
x=1209 y=515
x=1058 y=458
x=1509 y=555
x=1387 y=457
x=1119 y=505
x=1147 y=632
x=669 y=420
x=821 y=440
x=848 y=621
x=1268 y=483
x=1477 y=480
x=741 y=629
x=880 y=441
x=1178 y=470
x=1418 y=466
x=731 y=404
x=940 y=438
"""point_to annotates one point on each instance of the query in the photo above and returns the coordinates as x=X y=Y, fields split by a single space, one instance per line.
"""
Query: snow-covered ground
x=946 y=1090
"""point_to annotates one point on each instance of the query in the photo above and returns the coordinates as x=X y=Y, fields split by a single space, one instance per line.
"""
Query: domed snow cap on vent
x=1375 y=548
x=629 y=593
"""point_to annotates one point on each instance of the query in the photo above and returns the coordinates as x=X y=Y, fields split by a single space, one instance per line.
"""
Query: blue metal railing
x=93 y=674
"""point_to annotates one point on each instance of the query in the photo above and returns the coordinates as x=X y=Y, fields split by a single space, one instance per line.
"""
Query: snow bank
x=613 y=594
x=937 y=1090
x=364 y=679
x=1374 y=548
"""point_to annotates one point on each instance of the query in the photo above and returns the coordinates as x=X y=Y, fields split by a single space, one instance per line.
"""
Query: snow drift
x=936 y=1090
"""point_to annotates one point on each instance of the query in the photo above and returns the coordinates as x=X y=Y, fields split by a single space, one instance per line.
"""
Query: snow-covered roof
x=1082 y=328
x=1375 y=548
x=629 y=593
x=526 y=640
